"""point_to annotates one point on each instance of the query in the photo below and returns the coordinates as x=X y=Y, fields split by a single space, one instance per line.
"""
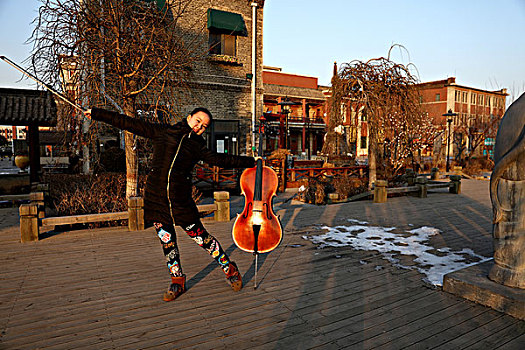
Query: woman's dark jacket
x=169 y=174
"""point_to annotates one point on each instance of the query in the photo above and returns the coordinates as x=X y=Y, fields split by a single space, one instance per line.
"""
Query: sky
x=480 y=42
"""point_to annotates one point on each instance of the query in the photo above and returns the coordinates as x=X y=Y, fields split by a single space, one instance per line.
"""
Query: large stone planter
x=22 y=162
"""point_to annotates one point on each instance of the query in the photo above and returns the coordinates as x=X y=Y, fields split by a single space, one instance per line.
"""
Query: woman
x=168 y=195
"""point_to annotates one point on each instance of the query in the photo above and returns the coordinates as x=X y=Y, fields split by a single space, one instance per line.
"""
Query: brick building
x=474 y=120
x=223 y=81
x=475 y=115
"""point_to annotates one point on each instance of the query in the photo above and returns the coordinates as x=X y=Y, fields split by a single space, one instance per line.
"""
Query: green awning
x=226 y=22
x=160 y=3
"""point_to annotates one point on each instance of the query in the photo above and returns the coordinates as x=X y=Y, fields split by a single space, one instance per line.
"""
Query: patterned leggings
x=198 y=233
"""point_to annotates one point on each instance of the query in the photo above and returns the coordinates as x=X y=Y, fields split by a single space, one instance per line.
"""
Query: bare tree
x=468 y=138
x=335 y=144
x=129 y=55
x=386 y=92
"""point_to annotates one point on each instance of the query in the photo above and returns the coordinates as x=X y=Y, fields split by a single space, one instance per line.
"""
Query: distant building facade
x=473 y=123
x=476 y=116
x=294 y=112
x=13 y=132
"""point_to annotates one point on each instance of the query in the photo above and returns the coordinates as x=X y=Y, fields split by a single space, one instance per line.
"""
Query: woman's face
x=199 y=122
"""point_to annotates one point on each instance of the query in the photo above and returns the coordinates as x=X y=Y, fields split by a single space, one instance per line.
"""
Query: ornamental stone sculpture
x=507 y=192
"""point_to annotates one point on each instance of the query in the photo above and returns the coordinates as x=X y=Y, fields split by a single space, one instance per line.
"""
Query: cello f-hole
x=268 y=211
x=247 y=211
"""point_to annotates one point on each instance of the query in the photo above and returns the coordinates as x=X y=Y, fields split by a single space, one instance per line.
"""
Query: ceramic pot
x=22 y=162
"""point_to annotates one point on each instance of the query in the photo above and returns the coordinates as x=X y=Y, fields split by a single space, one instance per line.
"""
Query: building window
x=363 y=142
x=224 y=28
x=437 y=97
x=222 y=44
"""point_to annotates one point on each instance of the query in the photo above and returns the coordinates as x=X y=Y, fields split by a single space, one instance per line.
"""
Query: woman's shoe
x=177 y=287
x=234 y=277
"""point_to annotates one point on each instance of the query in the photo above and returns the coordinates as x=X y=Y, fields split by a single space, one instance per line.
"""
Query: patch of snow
x=433 y=263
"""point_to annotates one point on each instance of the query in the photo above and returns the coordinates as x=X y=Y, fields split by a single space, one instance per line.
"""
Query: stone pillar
x=509 y=235
x=507 y=191
x=421 y=183
x=380 y=193
x=136 y=213
x=455 y=184
x=222 y=199
x=28 y=222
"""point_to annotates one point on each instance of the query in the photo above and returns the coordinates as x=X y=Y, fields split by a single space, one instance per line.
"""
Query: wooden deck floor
x=101 y=289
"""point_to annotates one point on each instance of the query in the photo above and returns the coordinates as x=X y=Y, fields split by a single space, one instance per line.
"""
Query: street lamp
x=286 y=111
x=450 y=114
x=262 y=132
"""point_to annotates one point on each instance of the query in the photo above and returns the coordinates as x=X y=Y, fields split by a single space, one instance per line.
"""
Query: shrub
x=91 y=194
x=476 y=166
x=87 y=194
x=317 y=189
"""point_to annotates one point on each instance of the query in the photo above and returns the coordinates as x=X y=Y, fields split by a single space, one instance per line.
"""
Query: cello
x=257 y=229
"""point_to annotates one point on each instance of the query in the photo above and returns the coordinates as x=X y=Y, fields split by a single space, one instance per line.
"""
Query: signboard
x=220 y=146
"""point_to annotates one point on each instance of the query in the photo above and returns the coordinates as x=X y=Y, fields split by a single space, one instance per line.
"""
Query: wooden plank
x=407 y=189
x=123 y=215
x=352 y=331
x=207 y=207
x=78 y=219
x=508 y=338
x=418 y=332
x=477 y=329
x=14 y=197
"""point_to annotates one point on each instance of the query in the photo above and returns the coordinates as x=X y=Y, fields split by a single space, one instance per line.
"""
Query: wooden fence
x=421 y=187
x=219 y=178
x=295 y=175
x=32 y=215
x=215 y=177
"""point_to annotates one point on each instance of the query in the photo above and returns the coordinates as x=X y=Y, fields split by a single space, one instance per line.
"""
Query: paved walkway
x=101 y=288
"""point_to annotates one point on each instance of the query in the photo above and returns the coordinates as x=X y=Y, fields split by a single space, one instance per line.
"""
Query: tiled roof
x=293 y=92
x=27 y=107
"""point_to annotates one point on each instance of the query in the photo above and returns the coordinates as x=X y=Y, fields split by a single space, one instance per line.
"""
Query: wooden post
x=421 y=183
x=222 y=199
x=410 y=176
x=434 y=174
x=333 y=197
x=136 y=213
x=380 y=193
x=455 y=181
x=37 y=198
x=28 y=222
